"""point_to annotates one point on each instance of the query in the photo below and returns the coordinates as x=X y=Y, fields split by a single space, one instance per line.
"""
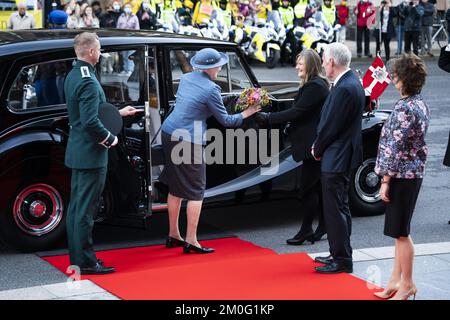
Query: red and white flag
x=376 y=79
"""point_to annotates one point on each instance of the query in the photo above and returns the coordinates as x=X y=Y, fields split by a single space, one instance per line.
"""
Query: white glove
x=447 y=48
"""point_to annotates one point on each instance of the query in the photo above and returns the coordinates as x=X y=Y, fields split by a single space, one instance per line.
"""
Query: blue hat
x=57 y=17
x=208 y=58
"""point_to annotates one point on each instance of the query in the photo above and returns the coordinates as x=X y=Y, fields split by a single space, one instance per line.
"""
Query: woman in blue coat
x=198 y=98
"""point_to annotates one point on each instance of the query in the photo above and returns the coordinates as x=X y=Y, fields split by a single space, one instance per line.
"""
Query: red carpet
x=239 y=270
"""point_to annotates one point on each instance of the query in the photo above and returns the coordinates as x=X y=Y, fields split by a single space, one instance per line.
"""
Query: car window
x=231 y=78
x=40 y=85
x=121 y=74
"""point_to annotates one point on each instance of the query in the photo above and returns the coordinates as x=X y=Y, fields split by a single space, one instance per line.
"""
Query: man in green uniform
x=86 y=153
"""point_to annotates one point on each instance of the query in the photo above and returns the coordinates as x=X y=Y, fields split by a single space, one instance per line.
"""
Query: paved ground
x=269 y=225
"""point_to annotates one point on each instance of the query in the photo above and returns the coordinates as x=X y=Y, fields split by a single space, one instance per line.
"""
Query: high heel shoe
x=174 y=242
x=301 y=237
x=318 y=234
x=189 y=247
x=388 y=292
x=411 y=292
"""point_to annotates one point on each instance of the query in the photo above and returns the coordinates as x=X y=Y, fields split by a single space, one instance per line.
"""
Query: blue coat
x=197 y=99
x=339 y=137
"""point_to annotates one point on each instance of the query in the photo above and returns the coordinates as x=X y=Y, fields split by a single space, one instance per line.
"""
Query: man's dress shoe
x=174 y=242
x=324 y=260
x=188 y=248
x=97 y=269
x=318 y=234
x=335 y=267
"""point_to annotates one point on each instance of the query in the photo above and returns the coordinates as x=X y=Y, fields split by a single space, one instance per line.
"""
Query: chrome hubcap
x=367 y=182
x=38 y=209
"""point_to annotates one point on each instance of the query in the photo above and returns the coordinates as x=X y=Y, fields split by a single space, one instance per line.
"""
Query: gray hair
x=340 y=53
x=84 y=42
x=21 y=5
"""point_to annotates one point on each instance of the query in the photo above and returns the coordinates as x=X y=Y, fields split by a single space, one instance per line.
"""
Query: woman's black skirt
x=187 y=179
x=403 y=194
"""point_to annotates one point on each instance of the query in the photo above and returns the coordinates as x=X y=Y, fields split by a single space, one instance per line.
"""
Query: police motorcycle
x=262 y=43
x=319 y=33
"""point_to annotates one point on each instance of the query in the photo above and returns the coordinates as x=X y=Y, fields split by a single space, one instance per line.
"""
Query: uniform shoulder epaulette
x=85 y=72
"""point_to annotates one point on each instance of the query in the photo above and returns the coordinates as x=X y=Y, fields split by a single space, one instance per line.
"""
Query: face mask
x=127 y=10
x=116 y=7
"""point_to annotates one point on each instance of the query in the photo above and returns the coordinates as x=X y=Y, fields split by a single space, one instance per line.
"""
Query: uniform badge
x=85 y=72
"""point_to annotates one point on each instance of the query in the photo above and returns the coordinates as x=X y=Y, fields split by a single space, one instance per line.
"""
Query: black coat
x=304 y=116
x=339 y=136
x=390 y=22
x=444 y=60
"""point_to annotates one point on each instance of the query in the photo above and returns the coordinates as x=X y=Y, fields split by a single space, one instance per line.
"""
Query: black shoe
x=319 y=233
x=174 y=242
x=359 y=55
x=324 y=260
x=97 y=269
x=335 y=267
x=301 y=237
x=188 y=248
x=369 y=55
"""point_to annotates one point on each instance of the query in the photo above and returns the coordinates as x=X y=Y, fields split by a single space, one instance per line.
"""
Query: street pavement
x=26 y=276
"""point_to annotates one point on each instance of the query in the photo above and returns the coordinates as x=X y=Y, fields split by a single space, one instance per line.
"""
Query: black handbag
x=447 y=153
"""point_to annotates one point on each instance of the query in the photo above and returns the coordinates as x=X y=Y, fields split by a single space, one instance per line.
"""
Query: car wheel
x=364 y=193
x=35 y=218
x=273 y=58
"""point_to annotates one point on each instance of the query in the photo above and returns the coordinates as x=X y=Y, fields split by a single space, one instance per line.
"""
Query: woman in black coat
x=387 y=30
x=304 y=117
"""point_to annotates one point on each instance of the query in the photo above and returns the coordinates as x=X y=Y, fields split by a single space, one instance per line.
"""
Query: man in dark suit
x=339 y=146
x=444 y=64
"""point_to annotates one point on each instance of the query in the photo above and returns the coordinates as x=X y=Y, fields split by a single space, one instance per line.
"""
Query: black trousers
x=86 y=189
x=360 y=33
x=338 y=219
x=311 y=195
x=385 y=39
x=412 y=37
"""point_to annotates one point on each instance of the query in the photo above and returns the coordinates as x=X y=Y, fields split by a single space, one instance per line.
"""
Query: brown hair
x=411 y=71
x=313 y=64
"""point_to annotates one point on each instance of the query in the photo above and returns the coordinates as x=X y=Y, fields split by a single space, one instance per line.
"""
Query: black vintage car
x=35 y=184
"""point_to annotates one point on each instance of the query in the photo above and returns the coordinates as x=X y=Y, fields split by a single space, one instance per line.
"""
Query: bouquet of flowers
x=252 y=97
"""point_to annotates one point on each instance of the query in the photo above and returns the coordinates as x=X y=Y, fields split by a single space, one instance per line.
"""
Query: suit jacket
x=89 y=140
x=339 y=138
x=304 y=116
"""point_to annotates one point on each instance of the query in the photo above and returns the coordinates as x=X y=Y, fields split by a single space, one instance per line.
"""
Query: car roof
x=13 y=42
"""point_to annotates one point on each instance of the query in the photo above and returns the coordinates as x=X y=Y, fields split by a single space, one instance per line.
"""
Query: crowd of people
x=410 y=22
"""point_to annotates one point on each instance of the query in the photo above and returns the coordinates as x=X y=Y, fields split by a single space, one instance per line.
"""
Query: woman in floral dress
x=402 y=153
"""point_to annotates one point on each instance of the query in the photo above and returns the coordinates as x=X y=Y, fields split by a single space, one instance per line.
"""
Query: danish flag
x=376 y=79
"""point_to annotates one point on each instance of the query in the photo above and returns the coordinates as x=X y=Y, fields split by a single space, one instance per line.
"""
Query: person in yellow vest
x=203 y=12
x=329 y=11
x=184 y=10
x=234 y=6
x=264 y=8
x=168 y=15
x=299 y=11
x=224 y=16
x=286 y=13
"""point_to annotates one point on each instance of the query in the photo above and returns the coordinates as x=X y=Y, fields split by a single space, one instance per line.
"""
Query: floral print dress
x=402 y=150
